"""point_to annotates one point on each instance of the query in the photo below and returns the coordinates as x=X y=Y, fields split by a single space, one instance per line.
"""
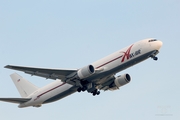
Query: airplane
x=92 y=78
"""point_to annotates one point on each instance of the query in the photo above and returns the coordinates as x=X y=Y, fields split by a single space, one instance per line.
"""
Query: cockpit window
x=152 y=40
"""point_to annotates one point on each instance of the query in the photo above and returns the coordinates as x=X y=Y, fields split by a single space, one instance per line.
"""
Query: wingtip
x=7 y=66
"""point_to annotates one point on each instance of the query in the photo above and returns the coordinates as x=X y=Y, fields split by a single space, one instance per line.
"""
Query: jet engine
x=120 y=81
x=85 y=72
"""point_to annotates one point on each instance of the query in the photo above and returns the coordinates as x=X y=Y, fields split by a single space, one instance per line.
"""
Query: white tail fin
x=24 y=87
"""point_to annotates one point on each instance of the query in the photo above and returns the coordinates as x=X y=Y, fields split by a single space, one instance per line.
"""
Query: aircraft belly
x=61 y=95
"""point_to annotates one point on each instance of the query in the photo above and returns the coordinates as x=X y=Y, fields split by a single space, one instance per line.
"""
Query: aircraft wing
x=47 y=73
x=15 y=100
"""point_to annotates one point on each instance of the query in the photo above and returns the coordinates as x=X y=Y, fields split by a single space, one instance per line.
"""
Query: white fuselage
x=126 y=54
x=46 y=93
x=111 y=64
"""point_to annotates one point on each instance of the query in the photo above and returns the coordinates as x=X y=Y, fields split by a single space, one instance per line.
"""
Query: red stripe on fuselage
x=109 y=62
x=49 y=90
x=126 y=55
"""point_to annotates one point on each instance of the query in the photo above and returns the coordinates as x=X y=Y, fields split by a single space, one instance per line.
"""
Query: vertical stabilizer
x=24 y=87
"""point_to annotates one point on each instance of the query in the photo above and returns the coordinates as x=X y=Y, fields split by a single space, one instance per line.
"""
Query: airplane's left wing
x=15 y=100
x=47 y=73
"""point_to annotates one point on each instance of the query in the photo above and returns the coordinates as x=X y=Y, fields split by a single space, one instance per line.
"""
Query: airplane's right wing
x=15 y=100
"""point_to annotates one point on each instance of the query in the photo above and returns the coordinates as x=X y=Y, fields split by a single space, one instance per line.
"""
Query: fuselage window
x=152 y=40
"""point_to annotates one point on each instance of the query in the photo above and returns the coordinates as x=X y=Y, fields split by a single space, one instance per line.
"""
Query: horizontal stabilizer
x=15 y=100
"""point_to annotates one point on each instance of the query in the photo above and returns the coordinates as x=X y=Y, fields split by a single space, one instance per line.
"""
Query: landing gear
x=90 y=88
x=98 y=92
x=153 y=55
x=95 y=92
x=79 y=89
x=154 y=58
x=84 y=88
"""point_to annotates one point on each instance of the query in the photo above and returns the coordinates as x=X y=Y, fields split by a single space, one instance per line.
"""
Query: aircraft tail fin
x=24 y=87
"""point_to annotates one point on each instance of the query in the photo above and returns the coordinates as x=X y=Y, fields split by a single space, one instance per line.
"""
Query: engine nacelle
x=85 y=72
x=120 y=81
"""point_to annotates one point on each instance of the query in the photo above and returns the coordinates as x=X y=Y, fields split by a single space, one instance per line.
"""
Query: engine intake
x=122 y=80
x=85 y=72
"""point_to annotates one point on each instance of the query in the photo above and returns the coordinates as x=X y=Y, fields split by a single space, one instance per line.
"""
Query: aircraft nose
x=158 y=44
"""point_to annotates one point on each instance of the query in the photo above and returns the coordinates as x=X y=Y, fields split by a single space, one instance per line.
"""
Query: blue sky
x=72 y=34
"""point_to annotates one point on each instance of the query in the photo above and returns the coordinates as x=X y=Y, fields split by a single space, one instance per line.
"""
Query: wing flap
x=15 y=100
x=44 y=72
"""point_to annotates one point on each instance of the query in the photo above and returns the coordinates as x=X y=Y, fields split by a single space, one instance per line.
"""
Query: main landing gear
x=82 y=89
x=95 y=92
